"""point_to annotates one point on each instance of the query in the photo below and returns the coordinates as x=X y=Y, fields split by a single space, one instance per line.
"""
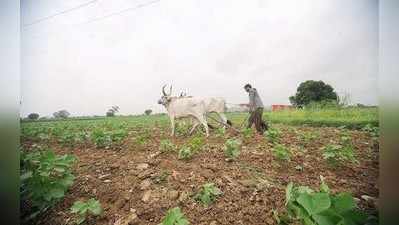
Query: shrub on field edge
x=45 y=177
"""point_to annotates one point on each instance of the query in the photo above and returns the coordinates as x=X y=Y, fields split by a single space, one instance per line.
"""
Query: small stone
x=142 y=166
x=183 y=196
x=368 y=198
x=145 y=174
x=129 y=220
x=114 y=166
x=248 y=183
x=104 y=176
x=213 y=222
x=107 y=181
x=146 y=196
x=173 y=194
x=145 y=184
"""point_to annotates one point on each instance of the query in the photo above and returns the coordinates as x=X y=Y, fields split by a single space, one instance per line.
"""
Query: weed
x=84 y=209
x=232 y=148
x=166 y=146
x=338 y=154
x=208 y=194
x=307 y=137
x=196 y=143
x=247 y=133
x=185 y=153
x=273 y=135
x=281 y=152
x=161 y=177
x=220 y=132
x=174 y=217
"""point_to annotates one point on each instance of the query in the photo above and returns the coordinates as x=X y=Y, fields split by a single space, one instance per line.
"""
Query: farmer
x=255 y=109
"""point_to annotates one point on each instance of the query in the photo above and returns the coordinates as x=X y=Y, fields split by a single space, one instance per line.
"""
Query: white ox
x=192 y=107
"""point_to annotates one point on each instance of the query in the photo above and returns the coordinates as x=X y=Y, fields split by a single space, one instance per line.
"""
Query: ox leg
x=223 y=118
x=204 y=123
x=196 y=123
x=172 y=126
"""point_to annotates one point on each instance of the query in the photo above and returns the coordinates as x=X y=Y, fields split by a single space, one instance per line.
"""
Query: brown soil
x=252 y=186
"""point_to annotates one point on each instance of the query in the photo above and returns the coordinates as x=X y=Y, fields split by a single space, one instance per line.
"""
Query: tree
x=148 y=112
x=313 y=91
x=33 y=116
x=63 y=114
x=111 y=112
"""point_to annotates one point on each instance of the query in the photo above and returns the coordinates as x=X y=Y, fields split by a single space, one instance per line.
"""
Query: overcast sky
x=205 y=47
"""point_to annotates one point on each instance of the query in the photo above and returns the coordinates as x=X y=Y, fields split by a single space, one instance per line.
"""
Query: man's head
x=247 y=87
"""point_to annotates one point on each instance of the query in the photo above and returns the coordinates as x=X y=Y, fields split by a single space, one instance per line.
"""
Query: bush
x=313 y=91
x=83 y=209
x=148 y=112
x=320 y=207
x=45 y=177
x=185 y=153
x=232 y=148
x=63 y=114
x=174 y=217
x=281 y=152
x=33 y=116
x=208 y=194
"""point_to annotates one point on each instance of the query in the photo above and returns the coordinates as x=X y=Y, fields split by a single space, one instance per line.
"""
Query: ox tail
x=229 y=123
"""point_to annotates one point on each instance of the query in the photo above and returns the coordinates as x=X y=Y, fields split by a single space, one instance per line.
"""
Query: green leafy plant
x=166 y=146
x=174 y=217
x=100 y=138
x=338 y=154
x=220 y=132
x=311 y=207
x=162 y=177
x=84 y=209
x=208 y=194
x=196 y=143
x=185 y=153
x=45 y=177
x=281 y=152
x=273 y=135
x=307 y=137
x=373 y=130
x=142 y=138
x=232 y=148
x=247 y=133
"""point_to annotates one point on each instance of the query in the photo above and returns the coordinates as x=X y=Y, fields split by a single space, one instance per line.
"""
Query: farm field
x=138 y=172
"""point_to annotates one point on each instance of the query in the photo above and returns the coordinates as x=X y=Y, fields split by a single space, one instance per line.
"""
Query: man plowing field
x=255 y=109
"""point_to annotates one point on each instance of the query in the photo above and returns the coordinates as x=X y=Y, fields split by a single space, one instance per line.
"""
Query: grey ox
x=192 y=107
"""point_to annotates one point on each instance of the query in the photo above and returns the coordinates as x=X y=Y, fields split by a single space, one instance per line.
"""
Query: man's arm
x=252 y=100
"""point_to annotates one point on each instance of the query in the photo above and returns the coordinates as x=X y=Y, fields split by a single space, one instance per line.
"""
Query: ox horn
x=170 y=90
x=163 y=90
